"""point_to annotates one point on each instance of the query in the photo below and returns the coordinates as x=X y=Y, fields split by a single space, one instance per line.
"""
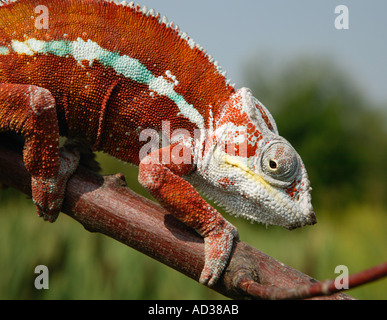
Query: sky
x=234 y=32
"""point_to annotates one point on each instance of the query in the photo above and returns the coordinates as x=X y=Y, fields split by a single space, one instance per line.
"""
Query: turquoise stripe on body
x=131 y=68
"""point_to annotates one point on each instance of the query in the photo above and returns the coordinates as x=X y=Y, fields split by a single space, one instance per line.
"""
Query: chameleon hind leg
x=30 y=111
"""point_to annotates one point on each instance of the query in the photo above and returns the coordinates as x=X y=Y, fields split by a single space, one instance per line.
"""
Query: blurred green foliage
x=342 y=140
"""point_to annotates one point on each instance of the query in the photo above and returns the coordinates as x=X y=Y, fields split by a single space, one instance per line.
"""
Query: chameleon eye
x=273 y=164
x=279 y=161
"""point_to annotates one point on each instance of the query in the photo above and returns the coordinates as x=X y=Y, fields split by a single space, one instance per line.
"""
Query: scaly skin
x=121 y=77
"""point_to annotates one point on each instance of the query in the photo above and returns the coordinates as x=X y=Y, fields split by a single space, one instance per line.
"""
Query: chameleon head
x=257 y=174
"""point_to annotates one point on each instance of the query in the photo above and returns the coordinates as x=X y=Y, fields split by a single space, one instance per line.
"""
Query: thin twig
x=323 y=288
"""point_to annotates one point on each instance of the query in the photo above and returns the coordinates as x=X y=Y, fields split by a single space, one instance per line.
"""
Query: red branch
x=106 y=205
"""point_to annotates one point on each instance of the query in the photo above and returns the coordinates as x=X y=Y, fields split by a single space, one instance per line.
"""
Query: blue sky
x=235 y=31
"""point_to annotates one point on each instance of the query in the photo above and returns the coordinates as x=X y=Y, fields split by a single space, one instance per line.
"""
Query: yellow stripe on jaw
x=246 y=170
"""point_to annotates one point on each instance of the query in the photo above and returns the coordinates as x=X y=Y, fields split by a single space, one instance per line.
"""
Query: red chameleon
x=127 y=82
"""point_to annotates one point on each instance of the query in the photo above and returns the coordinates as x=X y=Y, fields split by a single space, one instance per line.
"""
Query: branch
x=106 y=205
x=326 y=287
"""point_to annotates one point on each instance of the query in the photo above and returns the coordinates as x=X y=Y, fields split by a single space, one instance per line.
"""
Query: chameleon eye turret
x=279 y=163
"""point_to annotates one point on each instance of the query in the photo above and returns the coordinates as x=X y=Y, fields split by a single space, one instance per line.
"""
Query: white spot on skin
x=36 y=45
x=4 y=51
x=172 y=77
x=21 y=47
x=161 y=86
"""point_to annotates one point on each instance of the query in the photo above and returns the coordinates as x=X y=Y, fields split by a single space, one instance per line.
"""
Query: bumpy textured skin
x=121 y=76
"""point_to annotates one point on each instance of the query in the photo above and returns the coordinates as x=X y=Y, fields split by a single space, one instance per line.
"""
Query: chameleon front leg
x=164 y=181
x=30 y=111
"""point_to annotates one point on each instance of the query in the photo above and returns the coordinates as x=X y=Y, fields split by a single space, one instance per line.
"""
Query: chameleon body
x=133 y=85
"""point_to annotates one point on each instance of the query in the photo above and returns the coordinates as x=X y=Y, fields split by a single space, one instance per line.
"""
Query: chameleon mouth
x=309 y=219
x=312 y=218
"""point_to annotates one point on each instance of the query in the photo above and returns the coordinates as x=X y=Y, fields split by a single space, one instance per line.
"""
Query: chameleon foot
x=48 y=193
x=217 y=247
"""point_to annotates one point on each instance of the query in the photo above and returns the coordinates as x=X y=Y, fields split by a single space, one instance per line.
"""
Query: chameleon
x=129 y=83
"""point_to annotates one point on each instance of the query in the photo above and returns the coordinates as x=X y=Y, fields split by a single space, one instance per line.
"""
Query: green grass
x=84 y=265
